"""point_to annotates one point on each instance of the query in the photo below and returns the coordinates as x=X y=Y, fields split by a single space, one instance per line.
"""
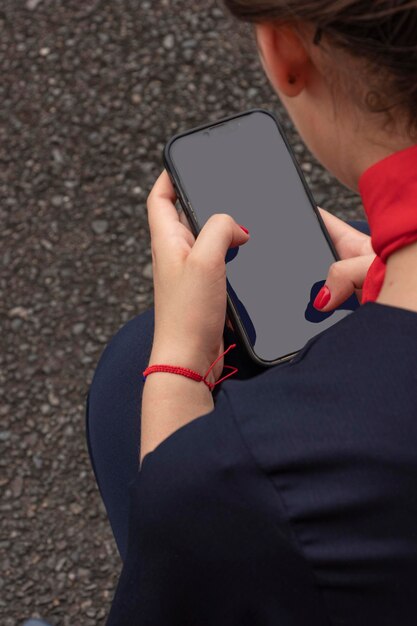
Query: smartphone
x=243 y=165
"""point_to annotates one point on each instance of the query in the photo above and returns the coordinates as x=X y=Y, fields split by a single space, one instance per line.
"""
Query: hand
x=189 y=282
x=355 y=250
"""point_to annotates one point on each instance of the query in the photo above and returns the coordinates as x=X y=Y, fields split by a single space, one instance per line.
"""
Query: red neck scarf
x=389 y=195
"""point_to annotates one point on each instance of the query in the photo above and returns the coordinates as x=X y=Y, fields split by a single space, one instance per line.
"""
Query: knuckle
x=336 y=270
x=149 y=199
x=155 y=247
x=154 y=253
x=222 y=218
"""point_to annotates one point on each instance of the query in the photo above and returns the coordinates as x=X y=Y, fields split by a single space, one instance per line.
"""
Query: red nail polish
x=243 y=228
x=322 y=298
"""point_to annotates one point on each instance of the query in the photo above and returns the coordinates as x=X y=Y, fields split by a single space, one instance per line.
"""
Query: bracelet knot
x=189 y=373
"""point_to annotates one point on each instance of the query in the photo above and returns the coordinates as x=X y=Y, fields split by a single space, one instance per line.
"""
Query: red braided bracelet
x=184 y=371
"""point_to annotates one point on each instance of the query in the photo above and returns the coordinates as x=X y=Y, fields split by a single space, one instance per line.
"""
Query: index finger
x=162 y=213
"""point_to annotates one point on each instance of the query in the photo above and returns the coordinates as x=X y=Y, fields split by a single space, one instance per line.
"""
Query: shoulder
x=335 y=432
x=336 y=403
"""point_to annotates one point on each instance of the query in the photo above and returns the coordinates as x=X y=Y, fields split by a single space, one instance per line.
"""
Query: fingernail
x=243 y=228
x=322 y=298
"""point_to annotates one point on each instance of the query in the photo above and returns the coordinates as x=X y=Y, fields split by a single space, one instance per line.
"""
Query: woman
x=288 y=496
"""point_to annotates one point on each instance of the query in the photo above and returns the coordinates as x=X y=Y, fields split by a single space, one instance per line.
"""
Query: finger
x=344 y=278
x=184 y=220
x=219 y=233
x=188 y=234
x=347 y=240
x=162 y=213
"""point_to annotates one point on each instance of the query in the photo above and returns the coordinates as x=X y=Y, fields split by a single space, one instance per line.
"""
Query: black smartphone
x=243 y=165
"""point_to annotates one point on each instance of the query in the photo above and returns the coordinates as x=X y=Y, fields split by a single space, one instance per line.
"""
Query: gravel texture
x=90 y=92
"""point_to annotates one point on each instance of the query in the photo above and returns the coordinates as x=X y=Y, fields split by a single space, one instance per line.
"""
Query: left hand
x=189 y=277
x=347 y=275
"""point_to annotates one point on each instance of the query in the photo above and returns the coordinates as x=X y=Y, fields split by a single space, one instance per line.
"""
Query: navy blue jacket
x=292 y=503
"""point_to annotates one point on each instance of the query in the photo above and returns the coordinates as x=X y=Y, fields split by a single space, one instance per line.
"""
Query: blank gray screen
x=246 y=171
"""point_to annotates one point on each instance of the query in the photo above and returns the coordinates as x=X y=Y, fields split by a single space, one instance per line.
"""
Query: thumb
x=219 y=233
x=343 y=278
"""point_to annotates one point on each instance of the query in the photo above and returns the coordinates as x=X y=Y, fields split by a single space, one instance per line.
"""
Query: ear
x=284 y=57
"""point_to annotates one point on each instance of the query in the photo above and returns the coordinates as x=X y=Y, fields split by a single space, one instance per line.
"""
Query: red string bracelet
x=184 y=371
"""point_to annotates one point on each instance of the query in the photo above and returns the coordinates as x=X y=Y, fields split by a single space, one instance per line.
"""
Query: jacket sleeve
x=208 y=544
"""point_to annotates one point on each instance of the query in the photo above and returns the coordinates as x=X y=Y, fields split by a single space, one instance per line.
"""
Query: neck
x=400 y=281
x=366 y=146
x=371 y=150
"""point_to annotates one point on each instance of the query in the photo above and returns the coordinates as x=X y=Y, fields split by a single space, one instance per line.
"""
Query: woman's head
x=346 y=71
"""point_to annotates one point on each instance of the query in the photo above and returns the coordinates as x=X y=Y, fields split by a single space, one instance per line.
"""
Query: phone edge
x=230 y=308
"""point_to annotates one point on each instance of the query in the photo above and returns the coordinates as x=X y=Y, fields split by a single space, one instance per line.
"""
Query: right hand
x=355 y=251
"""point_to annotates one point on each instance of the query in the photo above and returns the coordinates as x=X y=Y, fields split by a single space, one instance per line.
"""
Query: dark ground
x=90 y=92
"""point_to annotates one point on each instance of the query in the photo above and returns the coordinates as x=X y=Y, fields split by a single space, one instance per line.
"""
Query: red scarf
x=389 y=195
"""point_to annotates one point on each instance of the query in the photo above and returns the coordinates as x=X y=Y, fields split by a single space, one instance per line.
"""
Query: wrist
x=181 y=358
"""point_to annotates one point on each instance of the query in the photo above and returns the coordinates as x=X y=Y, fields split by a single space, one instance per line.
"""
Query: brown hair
x=383 y=33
